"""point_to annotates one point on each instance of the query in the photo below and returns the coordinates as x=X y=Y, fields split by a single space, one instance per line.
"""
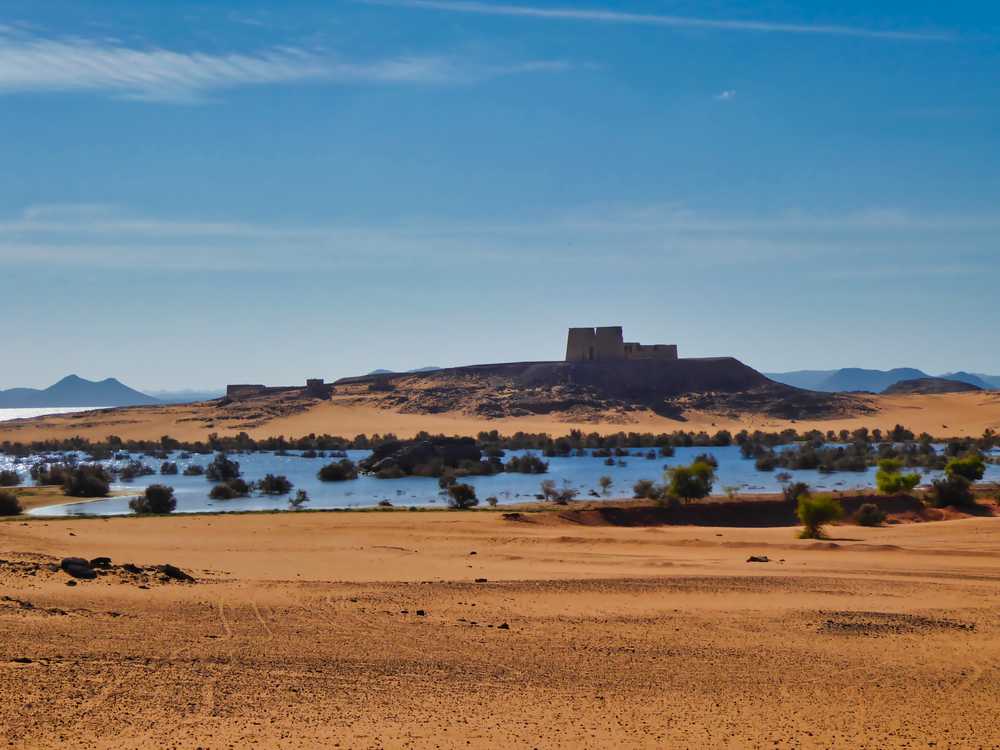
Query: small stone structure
x=608 y=344
x=315 y=387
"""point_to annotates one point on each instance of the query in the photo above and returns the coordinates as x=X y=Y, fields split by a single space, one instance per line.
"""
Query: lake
x=581 y=472
x=8 y=414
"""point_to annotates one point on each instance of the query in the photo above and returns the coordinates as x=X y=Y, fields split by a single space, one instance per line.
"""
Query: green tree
x=971 y=467
x=462 y=496
x=692 y=482
x=605 y=483
x=890 y=479
x=158 y=499
x=816 y=512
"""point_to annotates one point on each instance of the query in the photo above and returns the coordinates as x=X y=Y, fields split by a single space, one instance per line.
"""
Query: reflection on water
x=581 y=472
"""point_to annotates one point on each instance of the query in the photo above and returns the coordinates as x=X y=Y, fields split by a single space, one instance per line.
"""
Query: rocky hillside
x=588 y=389
x=930 y=385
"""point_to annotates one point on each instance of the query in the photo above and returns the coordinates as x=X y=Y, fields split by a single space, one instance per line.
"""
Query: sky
x=198 y=193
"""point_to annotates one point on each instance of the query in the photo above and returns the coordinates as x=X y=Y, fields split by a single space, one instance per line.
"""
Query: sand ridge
x=941 y=415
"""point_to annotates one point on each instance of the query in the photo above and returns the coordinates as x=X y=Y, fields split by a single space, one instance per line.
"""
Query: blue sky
x=201 y=193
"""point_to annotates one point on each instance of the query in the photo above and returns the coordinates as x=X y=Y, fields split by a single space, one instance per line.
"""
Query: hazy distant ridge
x=859 y=379
x=75 y=391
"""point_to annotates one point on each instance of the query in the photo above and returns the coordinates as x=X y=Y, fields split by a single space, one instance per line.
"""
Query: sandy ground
x=945 y=415
x=303 y=631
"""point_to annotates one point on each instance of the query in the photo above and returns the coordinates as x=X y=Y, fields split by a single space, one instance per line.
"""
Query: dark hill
x=930 y=385
x=584 y=388
x=75 y=391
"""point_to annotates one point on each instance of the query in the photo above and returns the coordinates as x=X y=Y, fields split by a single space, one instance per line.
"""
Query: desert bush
x=194 y=470
x=300 y=498
x=566 y=495
x=548 y=488
x=338 y=471
x=529 y=463
x=45 y=474
x=647 y=488
x=952 y=490
x=731 y=491
x=869 y=514
x=87 y=480
x=890 y=480
x=9 y=504
x=971 y=467
x=492 y=501
x=462 y=496
x=222 y=469
x=158 y=498
x=133 y=470
x=605 y=483
x=384 y=503
x=815 y=512
x=229 y=490
x=9 y=479
x=690 y=482
x=168 y=468
x=793 y=491
x=766 y=462
x=273 y=484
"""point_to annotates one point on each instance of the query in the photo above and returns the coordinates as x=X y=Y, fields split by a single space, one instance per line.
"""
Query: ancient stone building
x=607 y=343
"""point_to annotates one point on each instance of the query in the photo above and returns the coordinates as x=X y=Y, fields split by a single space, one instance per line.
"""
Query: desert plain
x=475 y=629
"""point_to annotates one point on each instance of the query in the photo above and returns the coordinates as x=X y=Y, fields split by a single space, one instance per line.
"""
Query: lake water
x=581 y=472
x=8 y=414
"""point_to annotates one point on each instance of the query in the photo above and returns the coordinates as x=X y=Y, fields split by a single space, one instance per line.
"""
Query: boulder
x=101 y=562
x=78 y=567
x=172 y=571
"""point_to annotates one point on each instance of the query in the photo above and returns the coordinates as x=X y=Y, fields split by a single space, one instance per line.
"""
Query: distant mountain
x=857 y=379
x=930 y=385
x=968 y=377
x=808 y=379
x=75 y=391
x=188 y=396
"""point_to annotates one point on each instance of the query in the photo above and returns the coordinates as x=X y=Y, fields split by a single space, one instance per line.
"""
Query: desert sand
x=369 y=630
x=943 y=415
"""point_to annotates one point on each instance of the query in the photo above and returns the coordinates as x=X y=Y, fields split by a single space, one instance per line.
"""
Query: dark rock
x=101 y=562
x=77 y=567
x=132 y=568
x=758 y=558
x=21 y=660
x=421 y=613
x=503 y=626
x=71 y=582
x=480 y=580
x=172 y=571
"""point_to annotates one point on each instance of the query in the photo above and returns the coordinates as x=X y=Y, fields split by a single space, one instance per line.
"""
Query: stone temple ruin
x=607 y=344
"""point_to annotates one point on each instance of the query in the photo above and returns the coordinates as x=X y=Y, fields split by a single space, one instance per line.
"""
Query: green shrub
x=690 y=482
x=222 y=469
x=301 y=498
x=529 y=463
x=605 y=483
x=168 y=468
x=229 y=490
x=9 y=479
x=462 y=496
x=793 y=491
x=338 y=471
x=816 y=512
x=87 y=480
x=890 y=480
x=158 y=499
x=647 y=489
x=9 y=504
x=869 y=514
x=194 y=470
x=274 y=485
x=952 y=490
x=492 y=501
x=971 y=467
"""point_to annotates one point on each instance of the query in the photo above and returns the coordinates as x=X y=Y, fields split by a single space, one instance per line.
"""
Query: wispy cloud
x=166 y=75
x=726 y=96
x=653 y=19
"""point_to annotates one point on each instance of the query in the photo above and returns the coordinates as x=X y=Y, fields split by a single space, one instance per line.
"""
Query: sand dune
x=951 y=414
x=303 y=631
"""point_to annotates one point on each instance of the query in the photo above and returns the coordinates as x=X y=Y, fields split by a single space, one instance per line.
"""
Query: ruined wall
x=606 y=344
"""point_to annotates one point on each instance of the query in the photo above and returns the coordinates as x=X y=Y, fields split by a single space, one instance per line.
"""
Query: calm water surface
x=581 y=472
